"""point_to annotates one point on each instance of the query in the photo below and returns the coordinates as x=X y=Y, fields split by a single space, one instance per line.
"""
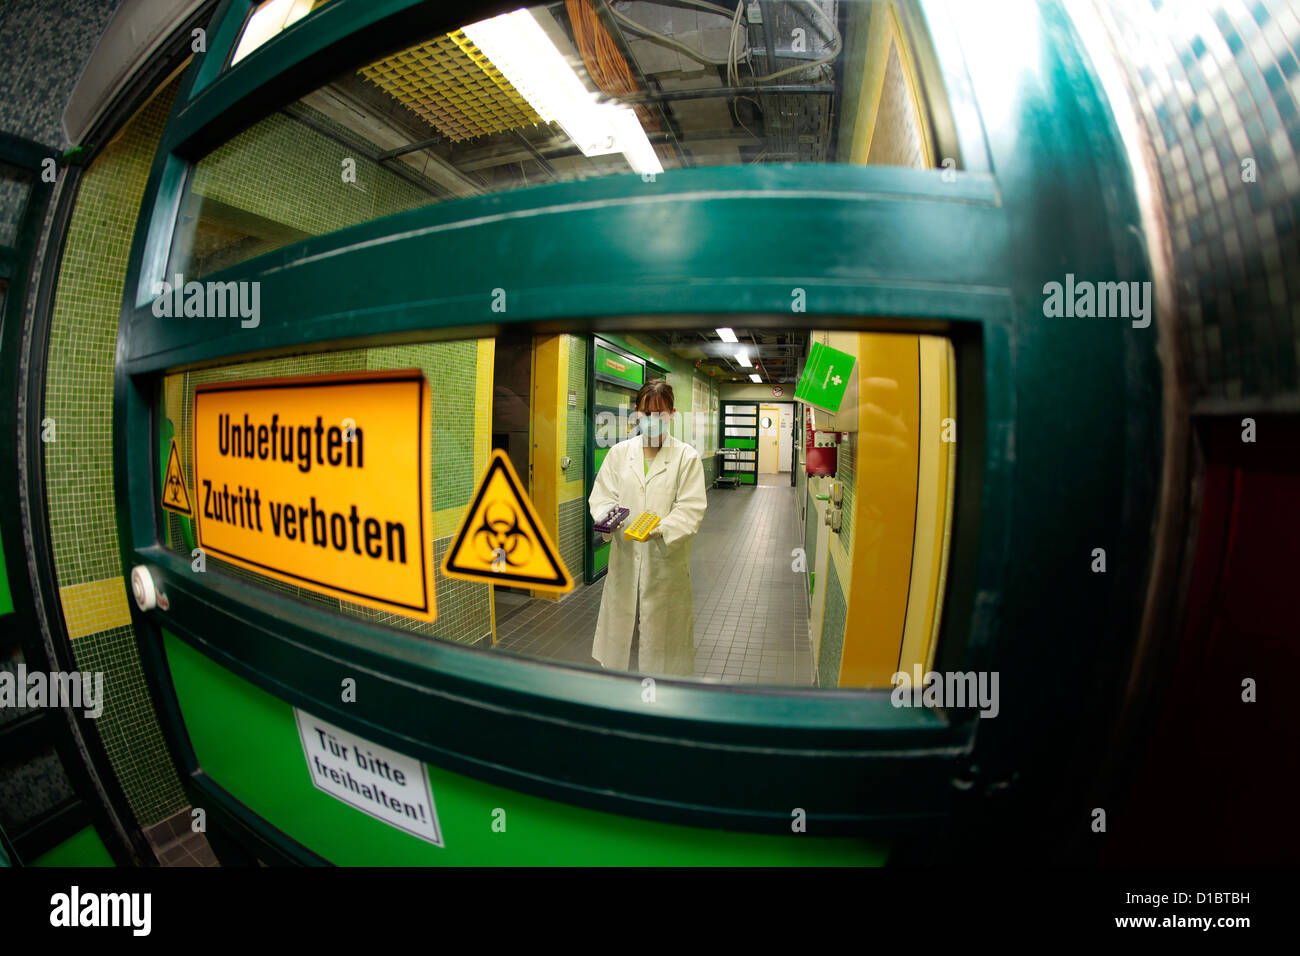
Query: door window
x=554 y=93
x=703 y=576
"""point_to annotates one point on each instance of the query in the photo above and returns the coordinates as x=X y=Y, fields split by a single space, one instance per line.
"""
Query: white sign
x=373 y=779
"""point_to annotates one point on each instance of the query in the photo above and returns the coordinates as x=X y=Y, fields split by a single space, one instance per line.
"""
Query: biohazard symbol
x=501 y=539
x=175 y=496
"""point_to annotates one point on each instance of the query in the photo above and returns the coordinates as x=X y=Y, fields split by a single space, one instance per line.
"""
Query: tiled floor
x=561 y=630
x=176 y=844
x=751 y=609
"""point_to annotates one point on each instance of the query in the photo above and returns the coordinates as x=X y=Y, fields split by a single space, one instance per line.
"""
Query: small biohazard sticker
x=175 y=495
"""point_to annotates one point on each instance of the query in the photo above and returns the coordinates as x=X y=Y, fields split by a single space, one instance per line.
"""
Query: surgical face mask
x=652 y=426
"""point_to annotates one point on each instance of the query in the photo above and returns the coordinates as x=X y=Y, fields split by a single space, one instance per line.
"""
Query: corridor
x=751 y=609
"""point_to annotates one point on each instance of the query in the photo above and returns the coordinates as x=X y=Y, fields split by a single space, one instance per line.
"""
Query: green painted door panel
x=246 y=741
x=6 y=598
x=600 y=552
x=611 y=363
x=83 y=848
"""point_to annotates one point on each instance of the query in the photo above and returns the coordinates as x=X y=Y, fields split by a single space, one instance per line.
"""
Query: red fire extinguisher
x=821 y=450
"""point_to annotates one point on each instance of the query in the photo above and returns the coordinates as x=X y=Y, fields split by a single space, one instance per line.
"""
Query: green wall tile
x=834 y=616
x=78 y=464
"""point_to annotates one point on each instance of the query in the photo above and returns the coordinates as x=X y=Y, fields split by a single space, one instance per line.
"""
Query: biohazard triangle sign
x=501 y=540
x=175 y=496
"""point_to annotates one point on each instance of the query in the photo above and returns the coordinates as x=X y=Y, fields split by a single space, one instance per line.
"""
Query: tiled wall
x=881 y=120
x=78 y=464
x=810 y=524
x=6 y=597
x=30 y=788
x=834 y=615
x=13 y=197
x=1214 y=85
x=284 y=171
x=11 y=655
x=897 y=138
x=576 y=425
x=573 y=534
x=710 y=469
x=846 y=472
x=683 y=397
x=43 y=45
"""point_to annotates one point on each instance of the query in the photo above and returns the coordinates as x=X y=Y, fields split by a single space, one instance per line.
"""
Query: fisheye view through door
x=690 y=531
x=649 y=434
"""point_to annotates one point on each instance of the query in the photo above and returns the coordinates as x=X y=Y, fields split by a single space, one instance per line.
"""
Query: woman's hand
x=655 y=532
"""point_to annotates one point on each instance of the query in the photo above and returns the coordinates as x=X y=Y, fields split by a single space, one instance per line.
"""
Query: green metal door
x=584 y=767
x=616 y=374
x=739 y=441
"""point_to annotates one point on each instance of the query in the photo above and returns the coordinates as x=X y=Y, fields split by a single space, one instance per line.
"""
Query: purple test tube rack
x=612 y=520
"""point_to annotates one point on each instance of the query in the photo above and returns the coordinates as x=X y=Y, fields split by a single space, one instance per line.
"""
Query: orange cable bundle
x=606 y=64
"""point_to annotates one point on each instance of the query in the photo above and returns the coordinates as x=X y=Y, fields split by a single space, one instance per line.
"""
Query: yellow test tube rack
x=641 y=527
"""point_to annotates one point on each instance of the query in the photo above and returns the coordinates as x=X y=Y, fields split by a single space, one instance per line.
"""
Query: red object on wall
x=1218 y=781
x=817 y=461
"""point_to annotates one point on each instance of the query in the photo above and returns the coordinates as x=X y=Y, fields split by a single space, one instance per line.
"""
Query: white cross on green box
x=825 y=378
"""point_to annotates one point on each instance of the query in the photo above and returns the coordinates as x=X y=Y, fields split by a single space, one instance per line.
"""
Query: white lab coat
x=658 y=570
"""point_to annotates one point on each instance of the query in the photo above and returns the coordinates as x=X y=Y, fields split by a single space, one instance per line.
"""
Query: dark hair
x=655 y=388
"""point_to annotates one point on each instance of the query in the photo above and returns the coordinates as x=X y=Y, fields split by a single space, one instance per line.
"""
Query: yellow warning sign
x=501 y=540
x=175 y=496
x=322 y=482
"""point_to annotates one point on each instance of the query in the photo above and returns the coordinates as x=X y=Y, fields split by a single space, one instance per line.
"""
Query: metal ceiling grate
x=451 y=85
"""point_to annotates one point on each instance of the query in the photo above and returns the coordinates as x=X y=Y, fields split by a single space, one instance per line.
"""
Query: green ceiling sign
x=825 y=378
x=619 y=366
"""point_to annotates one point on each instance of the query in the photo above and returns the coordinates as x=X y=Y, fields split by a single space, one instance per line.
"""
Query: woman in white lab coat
x=649 y=582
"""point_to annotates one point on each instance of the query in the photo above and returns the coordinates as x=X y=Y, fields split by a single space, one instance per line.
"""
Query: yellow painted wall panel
x=932 y=505
x=550 y=377
x=95 y=606
x=484 y=374
x=884 y=508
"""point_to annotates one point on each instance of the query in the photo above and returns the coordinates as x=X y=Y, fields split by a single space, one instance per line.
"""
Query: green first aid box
x=825 y=378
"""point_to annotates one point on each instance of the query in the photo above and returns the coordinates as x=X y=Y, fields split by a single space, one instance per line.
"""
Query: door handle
x=143 y=588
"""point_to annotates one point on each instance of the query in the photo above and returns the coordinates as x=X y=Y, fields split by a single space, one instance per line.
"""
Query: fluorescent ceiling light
x=267 y=20
x=726 y=335
x=743 y=359
x=525 y=55
x=756 y=378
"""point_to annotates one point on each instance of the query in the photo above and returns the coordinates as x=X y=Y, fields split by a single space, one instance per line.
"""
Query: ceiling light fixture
x=743 y=359
x=726 y=335
x=756 y=379
x=518 y=47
